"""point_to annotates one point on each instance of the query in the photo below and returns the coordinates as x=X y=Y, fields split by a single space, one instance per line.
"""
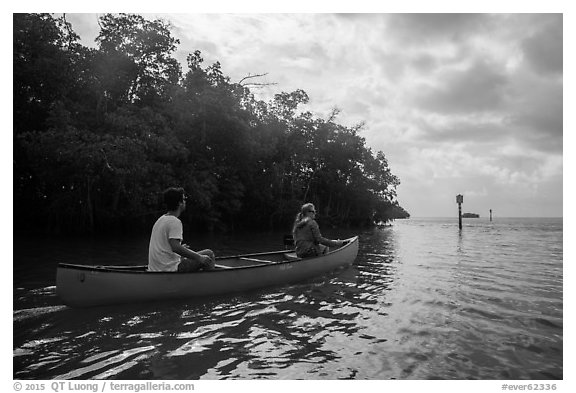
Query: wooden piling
x=459 y=201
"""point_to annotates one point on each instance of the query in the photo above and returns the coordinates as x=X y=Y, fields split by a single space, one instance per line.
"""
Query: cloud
x=543 y=50
x=424 y=29
x=424 y=63
x=86 y=26
x=479 y=88
x=536 y=112
x=467 y=132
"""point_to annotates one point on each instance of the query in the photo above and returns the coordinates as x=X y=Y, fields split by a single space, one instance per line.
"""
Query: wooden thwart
x=255 y=260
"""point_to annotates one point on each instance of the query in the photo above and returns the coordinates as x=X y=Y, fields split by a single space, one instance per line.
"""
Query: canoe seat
x=291 y=256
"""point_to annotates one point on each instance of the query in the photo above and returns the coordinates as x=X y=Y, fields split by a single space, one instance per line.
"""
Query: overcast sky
x=459 y=103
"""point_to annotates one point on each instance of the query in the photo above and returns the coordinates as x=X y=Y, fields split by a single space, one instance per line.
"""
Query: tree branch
x=255 y=84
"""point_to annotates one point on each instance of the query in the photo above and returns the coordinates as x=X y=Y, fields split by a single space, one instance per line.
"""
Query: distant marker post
x=490 y=214
x=459 y=201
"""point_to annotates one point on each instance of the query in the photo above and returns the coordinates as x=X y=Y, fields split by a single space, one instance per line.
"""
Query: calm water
x=422 y=301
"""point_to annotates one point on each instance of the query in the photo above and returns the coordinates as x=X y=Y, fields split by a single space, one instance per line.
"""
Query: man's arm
x=178 y=248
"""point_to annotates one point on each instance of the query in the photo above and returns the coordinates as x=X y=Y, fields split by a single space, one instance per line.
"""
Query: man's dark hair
x=172 y=197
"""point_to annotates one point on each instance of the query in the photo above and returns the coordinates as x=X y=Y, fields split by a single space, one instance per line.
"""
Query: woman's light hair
x=307 y=207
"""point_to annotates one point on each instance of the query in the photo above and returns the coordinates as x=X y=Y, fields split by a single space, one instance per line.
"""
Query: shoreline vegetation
x=100 y=132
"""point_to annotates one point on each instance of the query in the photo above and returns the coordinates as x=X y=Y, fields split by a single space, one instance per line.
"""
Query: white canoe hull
x=85 y=286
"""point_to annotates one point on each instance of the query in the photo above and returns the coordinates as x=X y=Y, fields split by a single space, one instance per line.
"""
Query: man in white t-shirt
x=166 y=251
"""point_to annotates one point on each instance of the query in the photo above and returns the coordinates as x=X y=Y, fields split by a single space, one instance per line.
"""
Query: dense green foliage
x=99 y=133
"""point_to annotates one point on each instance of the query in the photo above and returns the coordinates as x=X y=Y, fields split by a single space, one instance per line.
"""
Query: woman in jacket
x=307 y=237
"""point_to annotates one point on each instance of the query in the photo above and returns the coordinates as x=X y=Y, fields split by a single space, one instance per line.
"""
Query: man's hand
x=207 y=261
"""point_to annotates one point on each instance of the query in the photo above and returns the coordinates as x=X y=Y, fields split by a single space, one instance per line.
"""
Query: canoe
x=86 y=286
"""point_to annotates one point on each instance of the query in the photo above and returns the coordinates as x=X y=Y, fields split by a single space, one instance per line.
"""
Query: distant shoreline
x=487 y=218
